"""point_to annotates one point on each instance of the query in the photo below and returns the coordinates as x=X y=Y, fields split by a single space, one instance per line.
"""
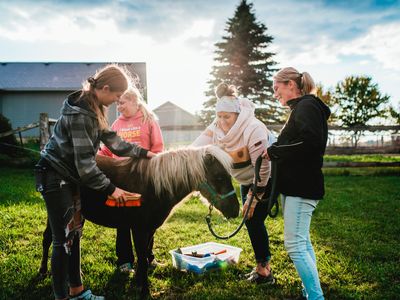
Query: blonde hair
x=113 y=75
x=224 y=89
x=133 y=94
x=303 y=80
x=168 y=170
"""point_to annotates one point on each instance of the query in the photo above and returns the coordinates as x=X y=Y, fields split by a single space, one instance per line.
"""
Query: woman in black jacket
x=299 y=156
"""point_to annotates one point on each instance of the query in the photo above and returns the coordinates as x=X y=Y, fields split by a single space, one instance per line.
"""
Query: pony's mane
x=181 y=169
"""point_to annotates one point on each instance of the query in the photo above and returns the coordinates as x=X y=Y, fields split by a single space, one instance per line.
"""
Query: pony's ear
x=209 y=159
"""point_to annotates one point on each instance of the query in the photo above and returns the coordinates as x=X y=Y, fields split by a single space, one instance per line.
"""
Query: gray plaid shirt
x=72 y=148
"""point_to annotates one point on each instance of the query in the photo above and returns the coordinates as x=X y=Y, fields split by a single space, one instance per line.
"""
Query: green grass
x=363 y=171
x=363 y=158
x=355 y=232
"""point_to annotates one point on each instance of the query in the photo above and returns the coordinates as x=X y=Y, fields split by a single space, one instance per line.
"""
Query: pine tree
x=242 y=59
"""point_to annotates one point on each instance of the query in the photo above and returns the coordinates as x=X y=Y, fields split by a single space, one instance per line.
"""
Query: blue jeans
x=256 y=228
x=297 y=213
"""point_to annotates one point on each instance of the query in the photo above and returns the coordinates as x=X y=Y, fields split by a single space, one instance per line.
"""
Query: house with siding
x=28 y=89
x=178 y=126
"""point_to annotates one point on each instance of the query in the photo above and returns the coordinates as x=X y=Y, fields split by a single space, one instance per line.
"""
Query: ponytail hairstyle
x=224 y=89
x=133 y=95
x=303 y=80
x=116 y=77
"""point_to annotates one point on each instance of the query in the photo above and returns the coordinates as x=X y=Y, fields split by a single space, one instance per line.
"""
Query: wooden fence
x=392 y=147
x=45 y=122
x=44 y=129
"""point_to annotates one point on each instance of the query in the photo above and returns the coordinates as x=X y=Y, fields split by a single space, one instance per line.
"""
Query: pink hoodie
x=244 y=142
x=146 y=135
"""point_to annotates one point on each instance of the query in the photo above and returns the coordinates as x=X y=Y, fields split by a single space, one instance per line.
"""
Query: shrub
x=5 y=125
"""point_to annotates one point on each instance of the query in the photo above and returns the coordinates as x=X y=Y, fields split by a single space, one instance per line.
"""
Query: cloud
x=176 y=37
x=160 y=20
x=382 y=43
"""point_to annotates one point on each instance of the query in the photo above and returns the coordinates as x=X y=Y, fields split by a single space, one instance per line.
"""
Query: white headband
x=228 y=104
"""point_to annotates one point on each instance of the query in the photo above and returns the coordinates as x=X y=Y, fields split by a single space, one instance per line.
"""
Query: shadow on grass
x=221 y=284
x=121 y=286
x=37 y=287
x=355 y=231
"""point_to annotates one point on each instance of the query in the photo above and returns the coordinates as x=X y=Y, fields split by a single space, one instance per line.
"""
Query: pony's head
x=217 y=187
x=204 y=169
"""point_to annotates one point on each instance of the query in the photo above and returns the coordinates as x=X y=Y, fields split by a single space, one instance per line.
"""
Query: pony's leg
x=46 y=243
x=141 y=239
x=150 y=244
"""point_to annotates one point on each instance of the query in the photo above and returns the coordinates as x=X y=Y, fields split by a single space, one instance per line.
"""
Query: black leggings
x=256 y=228
x=62 y=201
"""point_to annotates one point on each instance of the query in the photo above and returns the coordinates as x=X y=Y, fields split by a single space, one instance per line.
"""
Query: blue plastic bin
x=200 y=265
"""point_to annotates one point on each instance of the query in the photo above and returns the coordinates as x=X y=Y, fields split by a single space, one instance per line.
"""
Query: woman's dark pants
x=62 y=201
x=256 y=228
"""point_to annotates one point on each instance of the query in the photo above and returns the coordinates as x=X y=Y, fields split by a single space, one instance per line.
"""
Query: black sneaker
x=257 y=278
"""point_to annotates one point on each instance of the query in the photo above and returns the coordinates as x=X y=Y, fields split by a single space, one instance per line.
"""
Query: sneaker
x=155 y=264
x=126 y=268
x=247 y=275
x=86 y=295
x=255 y=277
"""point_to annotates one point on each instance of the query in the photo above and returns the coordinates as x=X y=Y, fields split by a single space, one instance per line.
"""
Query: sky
x=175 y=38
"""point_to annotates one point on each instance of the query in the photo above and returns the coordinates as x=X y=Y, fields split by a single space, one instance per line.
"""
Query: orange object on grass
x=132 y=201
x=199 y=255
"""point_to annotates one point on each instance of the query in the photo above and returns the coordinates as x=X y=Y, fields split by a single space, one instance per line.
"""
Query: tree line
x=243 y=58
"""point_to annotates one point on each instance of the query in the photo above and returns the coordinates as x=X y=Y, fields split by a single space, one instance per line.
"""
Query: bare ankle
x=263 y=268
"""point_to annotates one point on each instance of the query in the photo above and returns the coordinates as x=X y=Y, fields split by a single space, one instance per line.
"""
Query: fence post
x=44 y=129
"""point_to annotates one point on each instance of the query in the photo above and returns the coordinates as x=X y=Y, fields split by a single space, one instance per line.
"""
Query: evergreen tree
x=8 y=140
x=242 y=59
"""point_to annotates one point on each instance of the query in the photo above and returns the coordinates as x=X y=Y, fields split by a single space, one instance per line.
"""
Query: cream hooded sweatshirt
x=244 y=142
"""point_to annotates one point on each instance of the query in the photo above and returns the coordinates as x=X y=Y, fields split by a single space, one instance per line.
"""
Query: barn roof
x=55 y=76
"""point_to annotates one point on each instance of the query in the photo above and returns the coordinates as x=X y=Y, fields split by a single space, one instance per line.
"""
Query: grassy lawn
x=364 y=158
x=355 y=231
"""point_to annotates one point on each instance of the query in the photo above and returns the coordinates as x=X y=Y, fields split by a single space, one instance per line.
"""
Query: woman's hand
x=150 y=154
x=265 y=154
x=121 y=196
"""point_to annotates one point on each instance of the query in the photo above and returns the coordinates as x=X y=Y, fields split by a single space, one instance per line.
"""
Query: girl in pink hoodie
x=136 y=124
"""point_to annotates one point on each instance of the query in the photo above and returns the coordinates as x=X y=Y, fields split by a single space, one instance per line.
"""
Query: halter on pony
x=272 y=200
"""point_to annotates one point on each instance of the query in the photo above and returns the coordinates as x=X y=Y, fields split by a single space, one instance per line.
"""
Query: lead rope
x=254 y=195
